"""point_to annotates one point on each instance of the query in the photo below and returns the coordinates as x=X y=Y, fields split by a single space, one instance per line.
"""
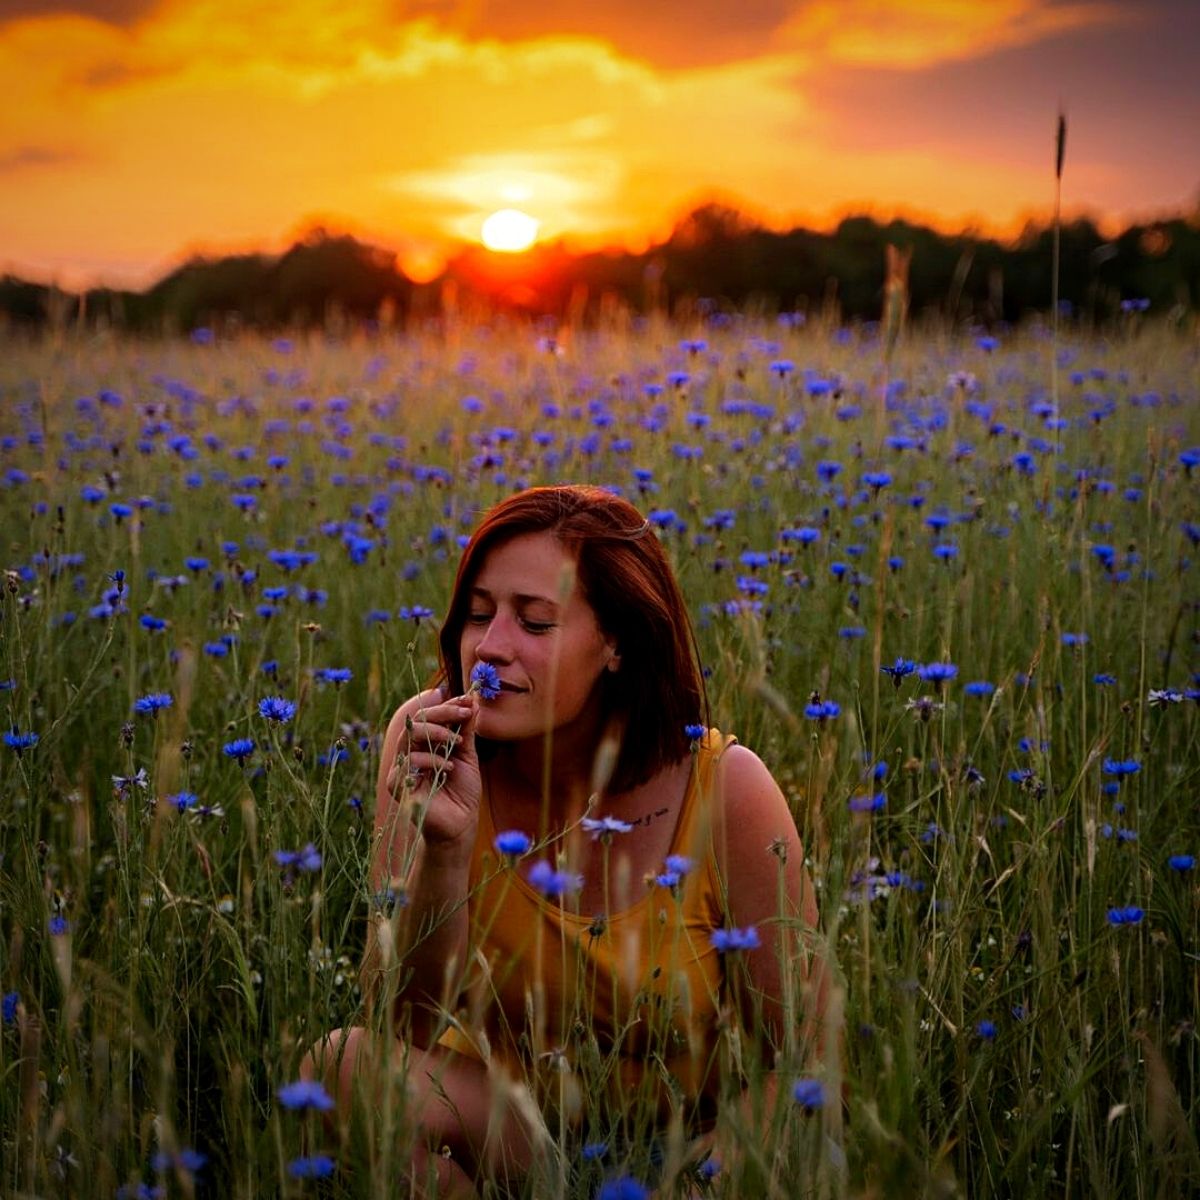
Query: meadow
x=949 y=596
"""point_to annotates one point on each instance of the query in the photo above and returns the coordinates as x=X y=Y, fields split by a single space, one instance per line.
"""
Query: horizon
x=146 y=132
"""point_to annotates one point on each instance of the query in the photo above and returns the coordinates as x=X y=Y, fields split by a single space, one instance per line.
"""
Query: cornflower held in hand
x=485 y=680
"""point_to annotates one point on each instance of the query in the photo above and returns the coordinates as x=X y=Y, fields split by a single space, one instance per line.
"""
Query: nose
x=495 y=644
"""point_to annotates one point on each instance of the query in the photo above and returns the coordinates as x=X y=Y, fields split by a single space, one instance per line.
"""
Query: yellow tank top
x=629 y=999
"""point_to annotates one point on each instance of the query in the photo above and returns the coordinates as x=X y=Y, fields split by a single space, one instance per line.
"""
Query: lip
x=512 y=688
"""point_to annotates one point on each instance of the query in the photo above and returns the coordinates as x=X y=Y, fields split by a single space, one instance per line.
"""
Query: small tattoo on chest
x=646 y=818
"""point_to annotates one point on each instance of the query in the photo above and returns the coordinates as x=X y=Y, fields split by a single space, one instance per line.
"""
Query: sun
x=509 y=230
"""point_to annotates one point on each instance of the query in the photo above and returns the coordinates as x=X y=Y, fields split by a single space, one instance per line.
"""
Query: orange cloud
x=918 y=33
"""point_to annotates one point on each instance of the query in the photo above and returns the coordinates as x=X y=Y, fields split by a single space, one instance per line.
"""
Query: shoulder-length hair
x=624 y=575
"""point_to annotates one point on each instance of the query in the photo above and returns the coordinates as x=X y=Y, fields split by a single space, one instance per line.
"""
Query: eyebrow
x=519 y=597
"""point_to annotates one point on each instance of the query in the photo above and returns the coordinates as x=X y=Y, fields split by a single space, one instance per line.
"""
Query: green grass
x=195 y=972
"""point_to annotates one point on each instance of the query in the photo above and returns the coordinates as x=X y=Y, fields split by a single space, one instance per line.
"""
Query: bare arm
x=762 y=863
x=424 y=836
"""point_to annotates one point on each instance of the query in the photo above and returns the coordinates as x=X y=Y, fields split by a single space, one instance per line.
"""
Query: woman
x=586 y=969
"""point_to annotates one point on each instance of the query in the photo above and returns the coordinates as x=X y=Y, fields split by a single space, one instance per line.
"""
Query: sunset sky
x=136 y=132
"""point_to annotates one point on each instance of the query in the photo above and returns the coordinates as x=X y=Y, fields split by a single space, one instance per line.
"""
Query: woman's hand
x=437 y=769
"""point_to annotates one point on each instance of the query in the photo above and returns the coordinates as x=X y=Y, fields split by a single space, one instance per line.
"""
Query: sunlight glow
x=509 y=230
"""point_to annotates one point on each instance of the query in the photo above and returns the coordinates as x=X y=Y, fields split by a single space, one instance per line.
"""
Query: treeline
x=715 y=258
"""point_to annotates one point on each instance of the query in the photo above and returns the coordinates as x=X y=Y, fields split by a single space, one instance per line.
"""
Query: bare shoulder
x=753 y=811
x=747 y=785
x=757 y=838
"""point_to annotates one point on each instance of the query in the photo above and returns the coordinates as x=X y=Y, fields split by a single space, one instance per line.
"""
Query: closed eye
x=537 y=626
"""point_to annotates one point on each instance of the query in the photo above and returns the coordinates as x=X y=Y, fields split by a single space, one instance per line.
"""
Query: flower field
x=951 y=599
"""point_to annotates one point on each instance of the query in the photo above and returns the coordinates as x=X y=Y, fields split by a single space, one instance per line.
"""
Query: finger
x=422 y=763
x=466 y=746
x=427 y=735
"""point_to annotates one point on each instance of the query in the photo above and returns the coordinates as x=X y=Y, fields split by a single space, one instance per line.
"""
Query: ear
x=614 y=658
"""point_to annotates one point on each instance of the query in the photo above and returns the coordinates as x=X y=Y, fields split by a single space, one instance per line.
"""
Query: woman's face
x=527 y=617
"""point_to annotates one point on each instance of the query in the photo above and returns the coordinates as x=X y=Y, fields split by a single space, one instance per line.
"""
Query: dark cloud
x=113 y=12
x=667 y=33
x=24 y=158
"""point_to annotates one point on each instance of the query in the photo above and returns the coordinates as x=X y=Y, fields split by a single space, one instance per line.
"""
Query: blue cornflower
x=604 y=827
x=809 y=1094
x=979 y=687
x=304 y=1094
x=679 y=864
x=693 y=733
x=624 y=1187
x=876 y=480
x=151 y=703
x=1103 y=679
x=512 y=842
x=1130 y=915
x=182 y=801
x=1114 y=766
x=307 y=860
x=593 y=1150
x=938 y=672
x=334 y=675
x=899 y=669
x=710 y=1168
x=805 y=535
x=485 y=680
x=727 y=941
x=276 y=708
x=1181 y=862
x=986 y=1030
x=874 y=803
x=1075 y=639
x=1160 y=697
x=58 y=925
x=417 y=613
x=316 y=1166
x=151 y=622
x=8 y=1007
x=20 y=741
x=186 y=1159
x=550 y=882
x=239 y=748
x=822 y=710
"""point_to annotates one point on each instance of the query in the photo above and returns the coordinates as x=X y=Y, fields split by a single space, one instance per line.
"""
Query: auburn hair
x=623 y=573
